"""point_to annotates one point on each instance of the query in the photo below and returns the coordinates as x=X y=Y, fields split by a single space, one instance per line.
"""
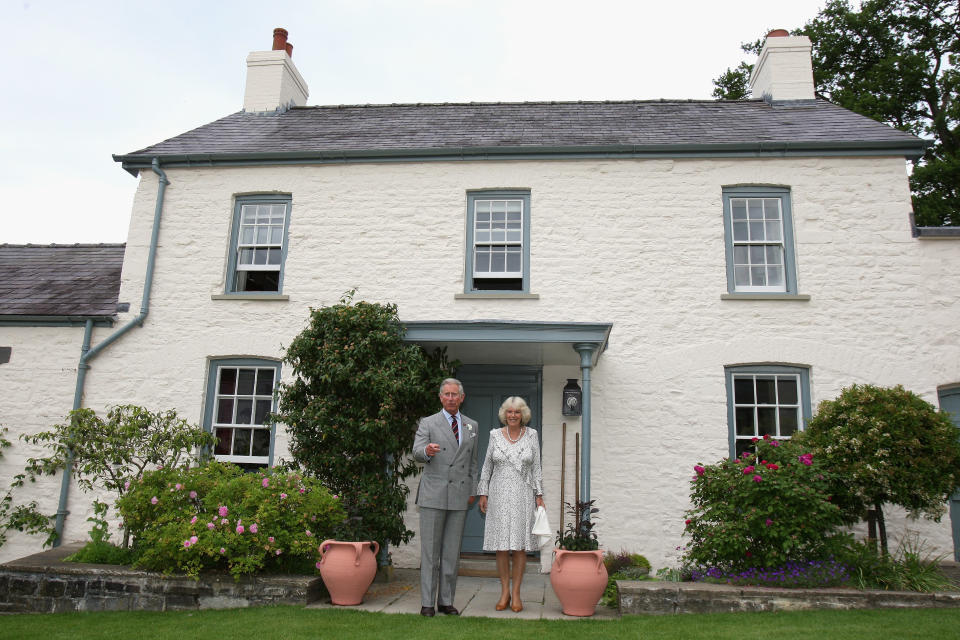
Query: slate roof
x=59 y=280
x=641 y=126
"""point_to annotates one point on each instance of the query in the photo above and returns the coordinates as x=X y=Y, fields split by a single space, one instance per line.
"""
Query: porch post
x=585 y=349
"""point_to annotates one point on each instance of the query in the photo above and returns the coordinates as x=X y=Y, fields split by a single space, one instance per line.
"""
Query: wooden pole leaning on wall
x=563 y=470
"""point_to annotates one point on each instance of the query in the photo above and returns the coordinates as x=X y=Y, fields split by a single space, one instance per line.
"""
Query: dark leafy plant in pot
x=579 y=535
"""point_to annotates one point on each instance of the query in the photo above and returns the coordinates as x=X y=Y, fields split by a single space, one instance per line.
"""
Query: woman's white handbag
x=541 y=528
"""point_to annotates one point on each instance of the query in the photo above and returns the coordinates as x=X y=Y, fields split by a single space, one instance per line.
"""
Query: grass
x=297 y=622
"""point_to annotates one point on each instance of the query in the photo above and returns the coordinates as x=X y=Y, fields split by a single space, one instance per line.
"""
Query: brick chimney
x=273 y=82
x=784 y=70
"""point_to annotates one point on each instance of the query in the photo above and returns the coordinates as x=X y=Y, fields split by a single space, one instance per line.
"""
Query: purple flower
x=223 y=511
x=154 y=500
x=769 y=522
x=335 y=496
x=253 y=528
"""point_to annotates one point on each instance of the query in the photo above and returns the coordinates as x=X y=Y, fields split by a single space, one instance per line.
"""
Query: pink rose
x=194 y=539
x=266 y=482
x=193 y=495
x=178 y=486
x=239 y=528
x=253 y=528
x=210 y=525
x=186 y=544
x=193 y=520
x=278 y=552
x=748 y=469
x=283 y=496
x=222 y=550
x=775 y=443
x=806 y=459
x=773 y=467
x=700 y=470
x=126 y=485
x=769 y=522
x=223 y=511
x=687 y=522
x=154 y=500
x=758 y=478
x=270 y=539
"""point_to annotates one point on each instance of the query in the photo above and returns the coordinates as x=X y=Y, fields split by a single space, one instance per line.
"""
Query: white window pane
x=771 y=207
x=499 y=219
x=260 y=256
x=740 y=232
x=241 y=442
x=513 y=262
x=248 y=214
x=246 y=235
x=279 y=211
x=774 y=254
x=482 y=260
x=498 y=236
x=276 y=235
x=740 y=254
x=756 y=231
x=756 y=255
x=246 y=256
x=261 y=442
x=274 y=256
x=497 y=262
x=483 y=217
x=739 y=208
x=773 y=230
x=741 y=276
x=775 y=276
x=483 y=208
x=514 y=236
x=515 y=206
x=499 y=208
x=482 y=236
x=263 y=235
x=758 y=276
x=755 y=209
x=244 y=411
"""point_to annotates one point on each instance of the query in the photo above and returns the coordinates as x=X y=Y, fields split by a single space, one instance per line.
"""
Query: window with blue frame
x=765 y=400
x=498 y=241
x=758 y=230
x=258 y=246
x=239 y=400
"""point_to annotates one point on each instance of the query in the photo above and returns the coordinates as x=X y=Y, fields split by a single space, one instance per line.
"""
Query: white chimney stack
x=784 y=70
x=273 y=81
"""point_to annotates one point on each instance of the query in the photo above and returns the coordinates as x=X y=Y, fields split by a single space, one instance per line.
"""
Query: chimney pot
x=280 y=39
x=289 y=49
x=778 y=33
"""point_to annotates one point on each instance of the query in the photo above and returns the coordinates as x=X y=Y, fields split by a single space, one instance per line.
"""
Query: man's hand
x=432 y=449
x=482 y=503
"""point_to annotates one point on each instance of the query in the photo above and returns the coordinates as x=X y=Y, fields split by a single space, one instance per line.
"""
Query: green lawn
x=297 y=622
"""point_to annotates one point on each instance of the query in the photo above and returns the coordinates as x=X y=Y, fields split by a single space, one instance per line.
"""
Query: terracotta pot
x=579 y=580
x=348 y=568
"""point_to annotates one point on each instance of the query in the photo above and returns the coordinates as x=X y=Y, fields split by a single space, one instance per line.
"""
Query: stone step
x=484 y=565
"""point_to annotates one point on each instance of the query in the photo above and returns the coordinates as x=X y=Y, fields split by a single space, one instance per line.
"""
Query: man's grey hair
x=451 y=381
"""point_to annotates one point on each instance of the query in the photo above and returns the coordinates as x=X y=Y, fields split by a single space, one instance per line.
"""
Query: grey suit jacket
x=449 y=477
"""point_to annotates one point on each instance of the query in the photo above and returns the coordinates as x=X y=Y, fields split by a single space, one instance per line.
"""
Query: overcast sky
x=81 y=80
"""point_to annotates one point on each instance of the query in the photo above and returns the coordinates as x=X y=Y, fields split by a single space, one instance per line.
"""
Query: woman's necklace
x=509 y=439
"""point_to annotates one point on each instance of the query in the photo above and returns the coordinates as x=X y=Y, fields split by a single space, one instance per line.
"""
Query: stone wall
x=44 y=584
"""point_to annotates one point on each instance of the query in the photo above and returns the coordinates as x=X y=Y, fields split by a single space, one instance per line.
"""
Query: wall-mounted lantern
x=572 y=398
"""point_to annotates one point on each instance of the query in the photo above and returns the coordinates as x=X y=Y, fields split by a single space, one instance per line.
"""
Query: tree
x=898 y=62
x=21 y=517
x=352 y=409
x=113 y=453
x=886 y=446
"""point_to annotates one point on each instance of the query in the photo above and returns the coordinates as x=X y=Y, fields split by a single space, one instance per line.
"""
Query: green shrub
x=622 y=566
x=100 y=550
x=763 y=510
x=217 y=517
x=908 y=569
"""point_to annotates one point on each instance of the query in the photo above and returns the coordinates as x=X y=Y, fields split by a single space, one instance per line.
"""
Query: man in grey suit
x=447 y=443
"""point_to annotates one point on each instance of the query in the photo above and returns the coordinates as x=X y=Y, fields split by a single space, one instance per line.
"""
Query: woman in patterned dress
x=509 y=492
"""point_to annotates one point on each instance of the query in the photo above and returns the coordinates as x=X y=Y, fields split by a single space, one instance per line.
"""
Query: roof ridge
x=54 y=245
x=521 y=103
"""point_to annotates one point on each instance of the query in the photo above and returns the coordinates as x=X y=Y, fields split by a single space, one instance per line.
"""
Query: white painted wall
x=637 y=243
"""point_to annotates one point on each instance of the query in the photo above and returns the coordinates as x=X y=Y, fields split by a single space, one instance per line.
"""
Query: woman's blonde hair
x=514 y=402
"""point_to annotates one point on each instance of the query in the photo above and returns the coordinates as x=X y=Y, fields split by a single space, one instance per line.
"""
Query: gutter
x=87 y=354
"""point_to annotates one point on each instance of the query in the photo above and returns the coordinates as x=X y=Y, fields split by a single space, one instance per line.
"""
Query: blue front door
x=486 y=387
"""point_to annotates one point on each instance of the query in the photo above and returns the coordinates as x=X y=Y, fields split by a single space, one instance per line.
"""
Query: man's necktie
x=456 y=429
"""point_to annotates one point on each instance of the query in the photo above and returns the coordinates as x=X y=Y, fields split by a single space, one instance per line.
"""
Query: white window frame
x=512 y=240
x=245 y=240
x=749 y=239
x=220 y=399
x=737 y=408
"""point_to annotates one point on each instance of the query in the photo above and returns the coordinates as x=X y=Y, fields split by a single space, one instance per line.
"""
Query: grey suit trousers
x=441 y=531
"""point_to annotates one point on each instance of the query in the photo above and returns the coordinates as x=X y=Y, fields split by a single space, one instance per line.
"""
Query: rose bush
x=764 y=510
x=216 y=517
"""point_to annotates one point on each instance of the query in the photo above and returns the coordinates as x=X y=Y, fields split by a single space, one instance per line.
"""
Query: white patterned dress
x=511 y=480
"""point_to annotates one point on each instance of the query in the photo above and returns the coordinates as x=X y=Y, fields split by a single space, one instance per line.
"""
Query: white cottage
x=705 y=271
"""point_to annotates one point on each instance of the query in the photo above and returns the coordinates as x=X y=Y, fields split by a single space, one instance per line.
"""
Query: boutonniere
x=469 y=427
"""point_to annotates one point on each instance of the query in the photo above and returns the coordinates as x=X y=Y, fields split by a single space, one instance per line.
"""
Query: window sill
x=266 y=297
x=798 y=297
x=496 y=296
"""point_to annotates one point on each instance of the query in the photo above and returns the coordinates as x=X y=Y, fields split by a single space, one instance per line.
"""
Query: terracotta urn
x=348 y=568
x=579 y=579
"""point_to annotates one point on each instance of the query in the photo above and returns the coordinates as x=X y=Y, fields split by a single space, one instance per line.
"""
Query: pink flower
x=154 y=500
x=754 y=439
x=335 y=496
x=253 y=528
x=773 y=466
x=687 y=522
x=748 y=469
x=278 y=552
x=775 y=443
x=222 y=550
x=302 y=490
x=283 y=496
x=193 y=495
x=266 y=482
x=193 y=520
x=769 y=522
x=193 y=539
x=758 y=478
x=270 y=539
x=186 y=544
x=308 y=533
x=698 y=469
x=318 y=565
x=223 y=511
x=766 y=437
x=210 y=525
x=806 y=459
x=224 y=521
x=178 y=486
x=239 y=528
x=126 y=485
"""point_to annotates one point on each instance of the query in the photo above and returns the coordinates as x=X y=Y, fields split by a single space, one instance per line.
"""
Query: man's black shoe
x=448 y=610
x=428 y=611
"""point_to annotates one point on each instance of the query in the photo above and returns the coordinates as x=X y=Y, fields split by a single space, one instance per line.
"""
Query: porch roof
x=510 y=341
